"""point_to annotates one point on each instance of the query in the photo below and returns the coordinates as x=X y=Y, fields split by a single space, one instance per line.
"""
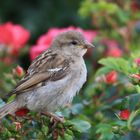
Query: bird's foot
x=54 y=117
x=18 y=125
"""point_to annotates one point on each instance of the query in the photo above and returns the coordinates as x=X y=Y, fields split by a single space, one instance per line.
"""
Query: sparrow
x=53 y=78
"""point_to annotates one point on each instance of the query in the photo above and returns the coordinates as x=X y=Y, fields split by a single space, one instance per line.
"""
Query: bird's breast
x=80 y=76
x=56 y=94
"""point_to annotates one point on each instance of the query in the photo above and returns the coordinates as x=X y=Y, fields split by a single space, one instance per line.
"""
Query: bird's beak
x=88 y=45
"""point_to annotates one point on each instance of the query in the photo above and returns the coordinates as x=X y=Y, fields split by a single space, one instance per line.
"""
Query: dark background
x=40 y=15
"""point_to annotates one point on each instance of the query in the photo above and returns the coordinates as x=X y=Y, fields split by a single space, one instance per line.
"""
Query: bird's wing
x=50 y=66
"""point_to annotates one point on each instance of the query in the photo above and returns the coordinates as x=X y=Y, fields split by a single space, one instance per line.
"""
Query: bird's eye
x=74 y=42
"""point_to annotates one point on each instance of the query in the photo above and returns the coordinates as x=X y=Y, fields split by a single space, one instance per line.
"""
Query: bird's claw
x=54 y=117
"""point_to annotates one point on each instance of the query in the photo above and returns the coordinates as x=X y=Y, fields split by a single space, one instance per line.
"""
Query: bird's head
x=71 y=42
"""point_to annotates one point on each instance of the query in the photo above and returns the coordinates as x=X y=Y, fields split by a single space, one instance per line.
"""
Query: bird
x=53 y=78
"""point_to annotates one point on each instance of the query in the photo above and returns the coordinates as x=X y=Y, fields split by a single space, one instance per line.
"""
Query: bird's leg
x=54 y=117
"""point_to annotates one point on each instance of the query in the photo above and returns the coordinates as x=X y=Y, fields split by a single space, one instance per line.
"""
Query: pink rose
x=5 y=33
x=114 y=52
x=112 y=48
x=19 y=36
x=43 y=42
x=14 y=36
x=48 y=37
x=90 y=35
x=36 y=50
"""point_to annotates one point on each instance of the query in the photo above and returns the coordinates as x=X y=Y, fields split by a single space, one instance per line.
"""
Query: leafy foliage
x=113 y=83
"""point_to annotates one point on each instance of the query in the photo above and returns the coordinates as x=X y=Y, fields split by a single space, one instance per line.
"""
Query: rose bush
x=108 y=106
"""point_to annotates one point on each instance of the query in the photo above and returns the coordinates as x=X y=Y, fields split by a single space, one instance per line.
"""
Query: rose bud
x=19 y=71
x=111 y=77
x=22 y=112
x=124 y=114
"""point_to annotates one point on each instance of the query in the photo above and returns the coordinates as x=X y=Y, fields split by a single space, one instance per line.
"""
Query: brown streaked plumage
x=53 y=78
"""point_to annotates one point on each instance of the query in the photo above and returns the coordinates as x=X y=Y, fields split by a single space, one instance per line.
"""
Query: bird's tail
x=8 y=109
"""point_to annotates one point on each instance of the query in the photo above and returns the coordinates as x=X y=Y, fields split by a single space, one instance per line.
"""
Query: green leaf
x=132 y=99
x=11 y=98
x=103 y=70
x=117 y=64
x=77 y=108
x=123 y=16
x=68 y=137
x=132 y=116
x=68 y=131
x=81 y=125
x=103 y=128
x=89 y=7
x=45 y=129
x=105 y=131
